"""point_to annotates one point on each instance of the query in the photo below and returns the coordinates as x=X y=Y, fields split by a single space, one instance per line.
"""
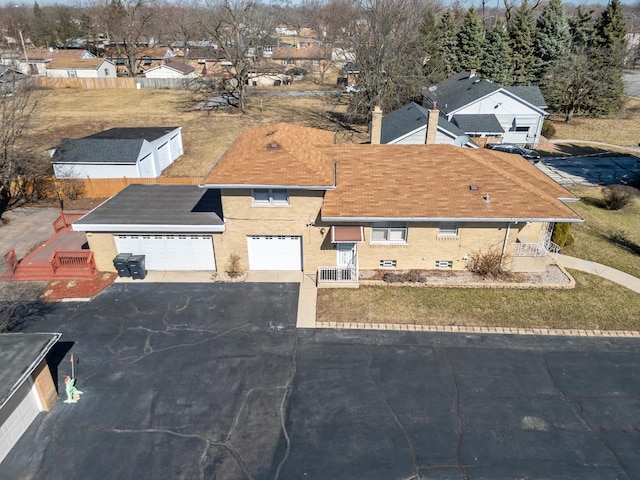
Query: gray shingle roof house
x=408 y=125
x=118 y=152
x=519 y=111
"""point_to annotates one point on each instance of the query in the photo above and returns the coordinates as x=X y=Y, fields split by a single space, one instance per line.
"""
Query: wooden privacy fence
x=106 y=187
x=118 y=82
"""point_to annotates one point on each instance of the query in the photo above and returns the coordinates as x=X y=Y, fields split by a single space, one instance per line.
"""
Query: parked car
x=517 y=149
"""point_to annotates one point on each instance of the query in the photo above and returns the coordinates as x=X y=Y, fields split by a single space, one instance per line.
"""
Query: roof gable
x=280 y=154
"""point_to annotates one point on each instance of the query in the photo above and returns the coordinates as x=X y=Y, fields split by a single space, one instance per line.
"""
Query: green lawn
x=608 y=237
x=595 y=303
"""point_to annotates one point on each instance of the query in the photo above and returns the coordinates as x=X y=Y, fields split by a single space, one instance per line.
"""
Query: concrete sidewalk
x=616 y=276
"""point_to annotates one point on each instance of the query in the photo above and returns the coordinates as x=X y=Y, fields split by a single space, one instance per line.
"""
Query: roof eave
x=452 y=219
x=247 y=186
x=137 y=228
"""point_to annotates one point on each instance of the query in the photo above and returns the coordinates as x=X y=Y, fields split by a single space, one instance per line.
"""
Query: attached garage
x=275 y=252
x=173 y=226
x=170 y=252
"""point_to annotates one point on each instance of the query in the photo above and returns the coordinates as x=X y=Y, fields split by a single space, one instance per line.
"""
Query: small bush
x=393 y=277
x=548 y=130
x=560 y=234
x=71 y=189
x=616 y=196
x=486 y=262
x=233 y=266
x=415 y=276
x=570 y=240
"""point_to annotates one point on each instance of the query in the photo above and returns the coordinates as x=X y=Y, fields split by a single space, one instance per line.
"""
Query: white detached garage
x=173 y=226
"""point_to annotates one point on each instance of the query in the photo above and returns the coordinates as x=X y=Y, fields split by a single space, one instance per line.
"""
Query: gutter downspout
x=504 y=244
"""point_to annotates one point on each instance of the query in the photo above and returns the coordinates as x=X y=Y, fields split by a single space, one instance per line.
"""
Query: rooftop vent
x=487 y=198
x=473 y=188
x=273 y=146
x=270 y=132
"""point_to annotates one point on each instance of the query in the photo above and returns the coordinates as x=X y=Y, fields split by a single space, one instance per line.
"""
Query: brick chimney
x=432 y=126
x=376 y=126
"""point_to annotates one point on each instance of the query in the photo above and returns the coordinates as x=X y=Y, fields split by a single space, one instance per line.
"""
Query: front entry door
x=346 y=254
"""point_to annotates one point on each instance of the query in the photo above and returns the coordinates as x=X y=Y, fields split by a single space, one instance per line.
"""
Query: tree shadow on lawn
x=619 y=239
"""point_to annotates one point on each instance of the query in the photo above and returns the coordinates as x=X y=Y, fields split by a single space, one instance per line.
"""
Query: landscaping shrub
x=233 y=266
x=560 y=234
x=486 y=262
x=570 y=240
x=617 y=196
x=415 y=276
x=393 y=277
x=548 y=130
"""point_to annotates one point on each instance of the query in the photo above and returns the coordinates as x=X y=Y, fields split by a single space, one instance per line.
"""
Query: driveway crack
x=412 y=451
x=454 y=379
x=283 y=405
x=576 y=406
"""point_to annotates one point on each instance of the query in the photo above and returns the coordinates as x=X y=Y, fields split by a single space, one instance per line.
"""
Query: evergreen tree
x=434 y=64
x=522 y=32
x=496 y=65
x=611 y=30
x=581 y=28
x=448 y=44
x=553 y=40
x=470 y=41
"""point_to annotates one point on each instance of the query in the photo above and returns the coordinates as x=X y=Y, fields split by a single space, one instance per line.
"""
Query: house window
x=445 y=264
x=388 y=263
x=522 y=129
x=106 y=72
x=73 y=74
x=388 y=234
x=448 y=229
x=147 y=62
x=270 y=197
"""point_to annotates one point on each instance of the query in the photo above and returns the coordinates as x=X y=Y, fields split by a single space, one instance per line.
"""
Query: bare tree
x=127 y=23
x=183 y=24
x=240 y=28
x=20 y=169
x=387 y=44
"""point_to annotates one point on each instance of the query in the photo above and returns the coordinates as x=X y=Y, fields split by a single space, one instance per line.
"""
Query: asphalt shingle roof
x=410 y=118
x=141 y=205
x=531 y=94
x=477 y=124
x=393 y=181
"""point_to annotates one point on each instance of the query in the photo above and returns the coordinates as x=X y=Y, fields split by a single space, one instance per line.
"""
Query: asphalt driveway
x=213 y=381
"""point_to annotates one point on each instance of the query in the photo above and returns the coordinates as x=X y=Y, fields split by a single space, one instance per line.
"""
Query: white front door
x=346 y=254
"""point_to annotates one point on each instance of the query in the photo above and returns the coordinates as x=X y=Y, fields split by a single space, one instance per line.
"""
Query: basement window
x=444 y=264
x=388 y=263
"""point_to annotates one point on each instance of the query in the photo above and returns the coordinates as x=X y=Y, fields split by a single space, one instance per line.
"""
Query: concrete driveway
x=194 y=381
x=592 y=169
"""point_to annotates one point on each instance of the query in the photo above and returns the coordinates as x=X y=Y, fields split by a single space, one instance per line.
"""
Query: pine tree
x=448 y=44
x=433 y=65
x=581 y=28
x=611 y=30
x=496 y=65
x=553 y=40
x=470 y=41
x=522 y=32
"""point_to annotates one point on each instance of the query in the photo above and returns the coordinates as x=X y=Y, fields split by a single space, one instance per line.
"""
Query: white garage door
x=270 y=252
x=170 y=252
x=16 y=416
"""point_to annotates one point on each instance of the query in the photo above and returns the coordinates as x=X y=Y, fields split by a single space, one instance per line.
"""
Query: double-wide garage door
x=275 y=252
x=170 y=252
x=16 y=416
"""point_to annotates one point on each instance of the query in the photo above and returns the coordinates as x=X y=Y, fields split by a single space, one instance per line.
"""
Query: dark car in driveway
x=517 y=149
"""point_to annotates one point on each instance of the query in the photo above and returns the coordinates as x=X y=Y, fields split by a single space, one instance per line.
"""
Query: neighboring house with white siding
x=488 y=112
x=172 y=70
x=83 y=68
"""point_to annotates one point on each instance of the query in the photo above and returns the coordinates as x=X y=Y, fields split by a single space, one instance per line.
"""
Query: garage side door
x=271 y=252
x=16 y=416
x=170 y=252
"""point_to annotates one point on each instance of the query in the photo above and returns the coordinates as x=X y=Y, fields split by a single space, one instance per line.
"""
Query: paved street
x=213 y=381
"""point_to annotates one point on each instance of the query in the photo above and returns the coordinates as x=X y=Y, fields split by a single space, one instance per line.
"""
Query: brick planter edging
x=491 y=330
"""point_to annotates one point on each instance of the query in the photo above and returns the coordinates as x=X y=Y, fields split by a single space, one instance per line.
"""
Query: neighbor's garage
x=275 y=252
x=170 y=252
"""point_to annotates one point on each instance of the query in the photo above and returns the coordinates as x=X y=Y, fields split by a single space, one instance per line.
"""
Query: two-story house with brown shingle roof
x=292 y=199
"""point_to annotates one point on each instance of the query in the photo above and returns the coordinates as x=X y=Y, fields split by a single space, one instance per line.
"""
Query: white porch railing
x=536 y=249
x=338 y=274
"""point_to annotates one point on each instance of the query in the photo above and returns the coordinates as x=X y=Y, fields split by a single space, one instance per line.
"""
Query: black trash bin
x=136 y=267
x=120 y=262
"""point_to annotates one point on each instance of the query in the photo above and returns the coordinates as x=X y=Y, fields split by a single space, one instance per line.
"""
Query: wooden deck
x=64 y=256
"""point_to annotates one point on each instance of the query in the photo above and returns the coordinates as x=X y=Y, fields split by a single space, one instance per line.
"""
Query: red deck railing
x=65 y=219
x=78 y=261
x=12 y=260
